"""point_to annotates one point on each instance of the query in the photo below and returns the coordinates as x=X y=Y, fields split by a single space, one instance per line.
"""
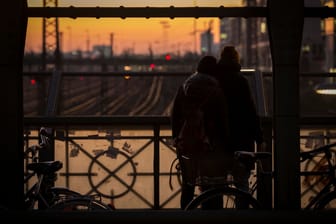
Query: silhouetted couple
x=230 y=119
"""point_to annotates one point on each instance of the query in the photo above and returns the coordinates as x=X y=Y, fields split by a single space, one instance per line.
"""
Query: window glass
x=123 y=48
x=317 y=67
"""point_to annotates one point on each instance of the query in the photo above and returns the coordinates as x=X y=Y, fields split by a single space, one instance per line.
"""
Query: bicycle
x=224 y=186
x=43 y=195
x=324 y=199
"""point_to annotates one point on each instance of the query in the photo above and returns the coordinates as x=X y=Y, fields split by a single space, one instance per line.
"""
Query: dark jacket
x=202 y=90
x=244 y=122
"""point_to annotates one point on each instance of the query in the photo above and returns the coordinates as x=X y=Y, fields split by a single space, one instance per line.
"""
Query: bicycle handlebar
x=44 y=143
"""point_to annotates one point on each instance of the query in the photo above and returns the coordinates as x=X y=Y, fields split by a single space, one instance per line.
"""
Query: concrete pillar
x=13 y=27
x=285 y=23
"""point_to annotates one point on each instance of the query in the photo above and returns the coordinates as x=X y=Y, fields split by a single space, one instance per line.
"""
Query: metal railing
x=128 y=159
x=120 y=158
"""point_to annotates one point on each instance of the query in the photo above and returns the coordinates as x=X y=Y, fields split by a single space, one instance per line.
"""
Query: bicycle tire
x=80 y=204
x=228 y=194
x=328 y=201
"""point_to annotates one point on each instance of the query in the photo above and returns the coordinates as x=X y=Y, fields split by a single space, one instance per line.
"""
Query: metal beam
x=147 y=12
x=322 y=12
x=170 y=12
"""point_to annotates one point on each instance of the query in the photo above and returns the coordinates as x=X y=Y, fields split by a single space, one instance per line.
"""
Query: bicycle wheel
x=80 y=204
x=230 y=198
x=328 y=201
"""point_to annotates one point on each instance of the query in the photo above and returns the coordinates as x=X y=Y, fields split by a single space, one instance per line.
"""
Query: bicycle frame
x=325 y=190
x=45 y=179
x=33 y=195
x=44 y=171
x=43 y=194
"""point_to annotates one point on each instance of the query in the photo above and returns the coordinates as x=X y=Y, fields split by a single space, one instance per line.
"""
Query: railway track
x=110 y=96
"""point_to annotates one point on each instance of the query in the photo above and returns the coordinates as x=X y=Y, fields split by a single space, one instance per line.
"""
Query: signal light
x=152 y=66
x=168 y=57
x=32 y=81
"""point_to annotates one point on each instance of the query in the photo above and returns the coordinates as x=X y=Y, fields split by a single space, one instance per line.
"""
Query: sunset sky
x=135 y=34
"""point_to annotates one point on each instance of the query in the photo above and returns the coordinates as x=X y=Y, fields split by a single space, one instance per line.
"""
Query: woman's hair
x=230 y=54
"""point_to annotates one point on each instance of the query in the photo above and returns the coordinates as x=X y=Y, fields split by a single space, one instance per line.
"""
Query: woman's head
x=230 y=55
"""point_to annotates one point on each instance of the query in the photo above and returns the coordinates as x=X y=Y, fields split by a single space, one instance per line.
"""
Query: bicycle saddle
x=45 y=167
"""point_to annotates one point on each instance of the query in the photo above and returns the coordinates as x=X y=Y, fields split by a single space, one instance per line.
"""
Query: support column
x=285 y=24
x=13 y=22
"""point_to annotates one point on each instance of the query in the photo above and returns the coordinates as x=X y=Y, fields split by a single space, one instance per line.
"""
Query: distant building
x=313 y=56
x=328 y=39
x=102 y=51
x=207 y=43
x=250 y=37
x=231 y=34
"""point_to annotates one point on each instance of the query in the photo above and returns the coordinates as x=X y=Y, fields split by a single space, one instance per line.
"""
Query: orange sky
x=130 y=33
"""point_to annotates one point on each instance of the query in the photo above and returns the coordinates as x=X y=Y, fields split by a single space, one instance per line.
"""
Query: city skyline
x=136 y=35
x=132 y=34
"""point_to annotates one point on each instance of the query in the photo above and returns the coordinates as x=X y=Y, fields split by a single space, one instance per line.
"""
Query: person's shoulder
x=199 y=84
x=201 y=78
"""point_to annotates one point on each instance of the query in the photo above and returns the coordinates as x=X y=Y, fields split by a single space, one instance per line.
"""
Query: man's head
x=207 y=64
x=230 y=55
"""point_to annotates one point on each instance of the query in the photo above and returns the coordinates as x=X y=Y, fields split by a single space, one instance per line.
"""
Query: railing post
x=265 y=186
x=51 y=110
x=156 y=166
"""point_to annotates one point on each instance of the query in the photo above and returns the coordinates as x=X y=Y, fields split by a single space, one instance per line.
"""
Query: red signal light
x=168 y=57
x=152 y=66
x=32 y=81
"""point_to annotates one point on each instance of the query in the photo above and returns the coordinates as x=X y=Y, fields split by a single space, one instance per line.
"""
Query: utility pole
x=50 y=38
x=70 y=38
x=165 y=26
x=195 y=30
x=87 y=41
x=112 y=43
